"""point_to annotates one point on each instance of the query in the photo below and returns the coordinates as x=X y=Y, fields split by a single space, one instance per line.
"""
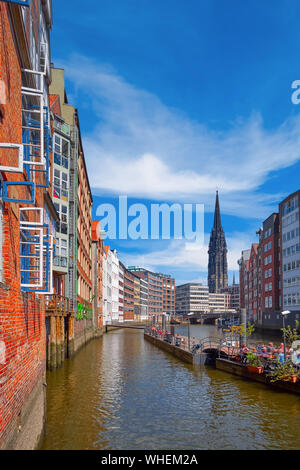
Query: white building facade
x=290 y=252
x=107 y=286
x=115 y=286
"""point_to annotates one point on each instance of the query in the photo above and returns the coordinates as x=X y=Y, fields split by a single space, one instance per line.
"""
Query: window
x=19 y=2
x=60 y=184
x=61 y=247
x=290 y=205
x=61 y=151
x=62 y=211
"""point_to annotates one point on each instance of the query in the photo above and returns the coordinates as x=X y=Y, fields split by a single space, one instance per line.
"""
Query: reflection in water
x=120 y=392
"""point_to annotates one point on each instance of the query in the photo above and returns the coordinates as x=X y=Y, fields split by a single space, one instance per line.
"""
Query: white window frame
x=19 y=168
x=39 y=284
x=30 y=223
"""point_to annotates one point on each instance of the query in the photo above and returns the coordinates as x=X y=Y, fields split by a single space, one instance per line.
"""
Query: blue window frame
x=24 y=3
x=6 y=184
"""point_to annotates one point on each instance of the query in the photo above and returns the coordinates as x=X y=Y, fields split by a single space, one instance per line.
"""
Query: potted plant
x=254 y=363
x=291 y=334
x=285 y=372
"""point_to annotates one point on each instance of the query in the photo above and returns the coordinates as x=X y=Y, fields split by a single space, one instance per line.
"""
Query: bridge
x=217 y=346
x=195 y=317
x=133 y=326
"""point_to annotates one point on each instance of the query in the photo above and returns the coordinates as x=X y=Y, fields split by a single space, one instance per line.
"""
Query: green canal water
x=121 y=392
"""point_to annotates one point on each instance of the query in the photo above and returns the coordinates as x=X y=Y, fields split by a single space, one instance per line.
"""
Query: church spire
x=217 y=220
x=217 y=260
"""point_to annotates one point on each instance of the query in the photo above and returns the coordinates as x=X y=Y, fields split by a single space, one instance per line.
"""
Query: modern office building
x=234 y=292
x=192 y=297
x=290 y=255
x=219 y=303
x=196 y=298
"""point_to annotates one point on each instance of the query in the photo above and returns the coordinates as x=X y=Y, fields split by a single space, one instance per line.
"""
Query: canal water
x=121 y=392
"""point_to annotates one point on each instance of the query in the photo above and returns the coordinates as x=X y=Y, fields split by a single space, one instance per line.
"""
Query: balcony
x=60 y=261
x=56 y=305
x=62 y=127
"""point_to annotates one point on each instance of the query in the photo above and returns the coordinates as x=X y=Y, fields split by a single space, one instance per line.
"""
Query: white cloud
x=188 y=256
x=140 y=147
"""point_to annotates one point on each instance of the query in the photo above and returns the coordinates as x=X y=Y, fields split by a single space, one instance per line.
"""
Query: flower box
x=294 y=378
x=255 y=369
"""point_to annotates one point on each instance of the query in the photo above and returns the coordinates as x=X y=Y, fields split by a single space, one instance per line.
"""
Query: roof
x=96 y=229
x=54 y=102
x=106 y=249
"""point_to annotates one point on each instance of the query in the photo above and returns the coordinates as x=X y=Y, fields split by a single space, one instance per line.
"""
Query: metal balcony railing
x=60 y=261
x=56 y=305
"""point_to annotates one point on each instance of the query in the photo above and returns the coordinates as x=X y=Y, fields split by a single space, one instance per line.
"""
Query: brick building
x=168 y=295
x=270 y=269
x=161 y=291
x=251 y=286
x=155 y=290
x=27 y=219
x=137 y=298
x=271 y=276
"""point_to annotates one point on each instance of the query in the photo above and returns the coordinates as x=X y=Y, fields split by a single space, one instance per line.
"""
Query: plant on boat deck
x=291 y=334
x=253 y=360
x=284 y=371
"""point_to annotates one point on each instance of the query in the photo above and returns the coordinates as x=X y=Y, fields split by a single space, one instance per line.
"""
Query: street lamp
x=284 y=314
x=189 y=334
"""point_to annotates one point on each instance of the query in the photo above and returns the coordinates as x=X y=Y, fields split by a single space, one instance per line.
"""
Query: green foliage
x=291 y=334
x=284 y=371
x=242 y=331
x=254 y=360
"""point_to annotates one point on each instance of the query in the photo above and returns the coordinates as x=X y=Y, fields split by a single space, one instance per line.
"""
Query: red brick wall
x=22 y=322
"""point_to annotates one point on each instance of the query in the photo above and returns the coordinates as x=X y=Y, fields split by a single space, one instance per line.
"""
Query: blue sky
x=179 y=98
